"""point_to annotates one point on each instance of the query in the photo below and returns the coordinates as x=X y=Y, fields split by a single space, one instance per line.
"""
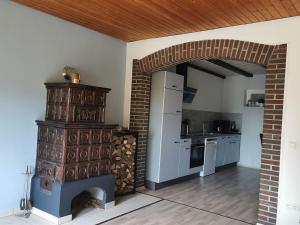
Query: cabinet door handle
x=176 y=142
x=187 y=148
x=185 y=141
x=178 y=111
x=174 y=86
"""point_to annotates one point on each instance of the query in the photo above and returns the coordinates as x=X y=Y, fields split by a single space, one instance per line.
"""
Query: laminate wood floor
x=232 y=192
x=170 y=213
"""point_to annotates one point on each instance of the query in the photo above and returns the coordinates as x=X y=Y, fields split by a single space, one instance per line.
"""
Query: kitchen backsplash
x=198 y=117
x=236 y=117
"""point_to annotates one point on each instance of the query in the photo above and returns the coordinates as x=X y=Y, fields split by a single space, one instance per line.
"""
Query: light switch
x=292 y=145
x=293 y=206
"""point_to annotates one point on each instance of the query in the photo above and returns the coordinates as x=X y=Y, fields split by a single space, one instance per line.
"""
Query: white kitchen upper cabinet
x=164 y=99
x=184 y=157
x=173 y=81
x=173 y=101
x=171 y=127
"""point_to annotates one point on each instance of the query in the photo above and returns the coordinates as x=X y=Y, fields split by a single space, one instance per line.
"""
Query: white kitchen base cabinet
x=221 y=151
x=164 y=149
x=228 y=150
x=184 y=157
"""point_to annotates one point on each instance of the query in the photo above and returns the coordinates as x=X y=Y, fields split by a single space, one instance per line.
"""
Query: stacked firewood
x=123 y=161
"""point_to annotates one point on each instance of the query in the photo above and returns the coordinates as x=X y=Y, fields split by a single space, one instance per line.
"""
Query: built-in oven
x=197 y=155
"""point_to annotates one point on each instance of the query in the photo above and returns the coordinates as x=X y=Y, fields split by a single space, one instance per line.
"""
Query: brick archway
x=273 y=57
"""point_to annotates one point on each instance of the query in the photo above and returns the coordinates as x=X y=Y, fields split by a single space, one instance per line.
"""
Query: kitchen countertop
x=207 y=135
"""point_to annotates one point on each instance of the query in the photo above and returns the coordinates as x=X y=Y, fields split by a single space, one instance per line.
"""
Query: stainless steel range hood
x=188 y=92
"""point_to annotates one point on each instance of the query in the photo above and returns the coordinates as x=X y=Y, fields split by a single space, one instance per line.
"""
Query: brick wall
x=139 y=116
x=270 y=162
x=273 y=57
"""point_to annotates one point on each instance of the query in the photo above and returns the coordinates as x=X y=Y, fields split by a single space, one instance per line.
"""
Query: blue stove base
x=58 y=201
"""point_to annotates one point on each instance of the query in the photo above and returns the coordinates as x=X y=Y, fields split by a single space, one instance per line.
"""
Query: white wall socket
x=292 y=145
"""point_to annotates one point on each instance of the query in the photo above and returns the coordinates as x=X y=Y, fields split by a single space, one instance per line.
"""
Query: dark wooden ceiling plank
x=231 y=17
x=195 y=16
x=69 y=15
x=279 y=7
x=251 y=6
x=108 y=13
x=166 y=17
x=270 y=8
x=162 y=23
x=236 y=17
x=238 y=7
x=262 y=9
x=289 y=7
x=249 y=12
x=211 y=11
x=172 y=14
x=296 y=4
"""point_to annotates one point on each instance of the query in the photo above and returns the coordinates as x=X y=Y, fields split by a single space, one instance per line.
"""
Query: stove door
x=197 y=155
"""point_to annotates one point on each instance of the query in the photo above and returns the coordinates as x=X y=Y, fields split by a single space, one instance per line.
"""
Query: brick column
x=275 y=75
x=139 y=116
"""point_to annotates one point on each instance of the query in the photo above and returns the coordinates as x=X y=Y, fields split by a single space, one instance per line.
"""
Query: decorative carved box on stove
x=75 y=102
x=73 y=142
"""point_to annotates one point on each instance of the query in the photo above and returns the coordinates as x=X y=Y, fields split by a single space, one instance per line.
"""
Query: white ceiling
x=249 y=67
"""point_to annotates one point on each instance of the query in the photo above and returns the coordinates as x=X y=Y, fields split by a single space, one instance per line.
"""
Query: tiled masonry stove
x=77 y=152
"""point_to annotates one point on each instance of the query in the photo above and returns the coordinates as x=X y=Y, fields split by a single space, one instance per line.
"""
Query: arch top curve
x=246 y=51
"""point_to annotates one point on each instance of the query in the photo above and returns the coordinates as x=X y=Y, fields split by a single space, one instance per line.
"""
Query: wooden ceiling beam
x=230 y=67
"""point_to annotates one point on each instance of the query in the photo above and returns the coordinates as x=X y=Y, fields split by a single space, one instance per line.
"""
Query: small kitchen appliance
x=186 y=127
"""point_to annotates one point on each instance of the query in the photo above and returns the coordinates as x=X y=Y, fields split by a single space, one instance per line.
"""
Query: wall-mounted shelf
x=254 y=98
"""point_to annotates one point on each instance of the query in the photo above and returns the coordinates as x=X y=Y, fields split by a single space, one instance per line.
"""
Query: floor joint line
x=204 y=210
x=153 y=203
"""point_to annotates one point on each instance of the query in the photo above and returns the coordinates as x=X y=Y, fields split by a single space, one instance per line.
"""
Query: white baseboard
x=10 y=212
x=51 y=218
x=258 y=224
x=65 y=219
x=109 y=205
x=247 y=166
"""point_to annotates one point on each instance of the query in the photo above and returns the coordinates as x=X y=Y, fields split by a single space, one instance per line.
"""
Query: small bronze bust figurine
x=70 y=73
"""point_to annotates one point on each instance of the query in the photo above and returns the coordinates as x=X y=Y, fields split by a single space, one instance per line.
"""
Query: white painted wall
x=272 y=32
x=252 y=122
x=34 y=47
x=209 y=91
